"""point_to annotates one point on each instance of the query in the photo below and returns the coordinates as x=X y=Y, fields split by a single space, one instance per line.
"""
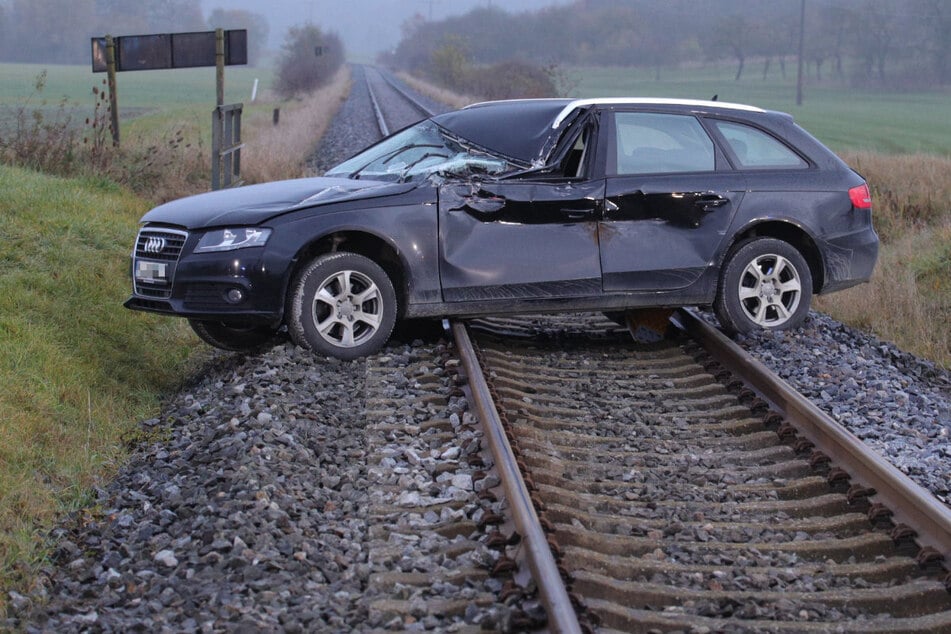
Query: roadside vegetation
x=79 y=371
x=908 y=300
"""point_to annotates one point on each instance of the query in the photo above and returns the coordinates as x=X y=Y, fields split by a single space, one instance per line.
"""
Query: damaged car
x=519 y=206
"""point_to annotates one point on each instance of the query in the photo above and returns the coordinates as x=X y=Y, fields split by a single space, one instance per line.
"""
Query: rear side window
x=652 y=143
x=754 y=149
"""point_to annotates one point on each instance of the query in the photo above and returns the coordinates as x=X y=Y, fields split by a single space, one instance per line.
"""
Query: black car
x=519 y=206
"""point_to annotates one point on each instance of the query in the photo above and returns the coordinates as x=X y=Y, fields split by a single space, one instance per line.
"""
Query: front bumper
x=235 y=286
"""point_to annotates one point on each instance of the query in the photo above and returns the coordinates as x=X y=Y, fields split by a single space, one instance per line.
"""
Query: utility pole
x=802 y=39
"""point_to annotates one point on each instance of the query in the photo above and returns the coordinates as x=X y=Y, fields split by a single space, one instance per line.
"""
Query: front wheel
x=342 y=305
x=765 y=283
x=234 y=338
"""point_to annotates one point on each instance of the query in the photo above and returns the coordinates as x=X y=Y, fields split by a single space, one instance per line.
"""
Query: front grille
x=160 y=244
x=156 y=253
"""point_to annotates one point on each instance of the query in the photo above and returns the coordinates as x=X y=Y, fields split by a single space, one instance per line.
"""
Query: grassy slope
x=77 y=368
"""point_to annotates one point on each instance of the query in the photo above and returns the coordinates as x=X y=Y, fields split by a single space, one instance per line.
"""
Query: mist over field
x=367 y=27
x=898 y=44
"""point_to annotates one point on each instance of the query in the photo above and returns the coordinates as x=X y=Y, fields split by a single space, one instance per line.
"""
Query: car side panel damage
x=519 y=239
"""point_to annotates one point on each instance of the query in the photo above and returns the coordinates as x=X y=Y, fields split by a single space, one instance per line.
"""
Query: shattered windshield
x=418 y=152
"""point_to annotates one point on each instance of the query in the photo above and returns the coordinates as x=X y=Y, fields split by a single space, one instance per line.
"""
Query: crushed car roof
x=519 y=128
x=516 y=128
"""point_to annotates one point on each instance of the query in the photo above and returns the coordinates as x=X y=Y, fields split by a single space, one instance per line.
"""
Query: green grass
x=148 y=100
x=78 y=370
x=841 y=117
x=141 y=90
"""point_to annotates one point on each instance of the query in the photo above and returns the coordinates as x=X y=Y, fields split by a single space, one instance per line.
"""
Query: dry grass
x=279 y=152
x=908 y=300
x=909 y=191
x=442 y=95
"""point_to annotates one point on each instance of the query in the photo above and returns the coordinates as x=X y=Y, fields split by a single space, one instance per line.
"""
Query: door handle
x=710 y=202
x=577 y=213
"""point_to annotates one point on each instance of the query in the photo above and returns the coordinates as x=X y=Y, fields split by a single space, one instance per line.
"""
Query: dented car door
x=519 y=240
x=667 y=208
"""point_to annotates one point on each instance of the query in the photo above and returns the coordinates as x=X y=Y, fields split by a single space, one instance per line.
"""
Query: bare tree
x=937 y=23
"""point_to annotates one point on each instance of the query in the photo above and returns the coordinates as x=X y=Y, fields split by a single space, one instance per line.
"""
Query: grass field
x=170 y=98
x=143 y=90
x=843 y=118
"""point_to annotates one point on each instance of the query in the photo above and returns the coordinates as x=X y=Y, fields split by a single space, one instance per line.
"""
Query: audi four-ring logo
x=154 y=245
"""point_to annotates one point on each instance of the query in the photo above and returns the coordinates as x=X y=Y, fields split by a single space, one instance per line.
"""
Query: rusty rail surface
x=813 y=461
x=910 y=504
x=561 y=614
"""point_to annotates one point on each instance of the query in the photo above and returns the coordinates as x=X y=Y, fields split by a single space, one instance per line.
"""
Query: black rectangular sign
x=170 y=50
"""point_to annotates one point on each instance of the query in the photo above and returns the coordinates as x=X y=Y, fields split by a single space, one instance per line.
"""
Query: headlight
x=231 y=239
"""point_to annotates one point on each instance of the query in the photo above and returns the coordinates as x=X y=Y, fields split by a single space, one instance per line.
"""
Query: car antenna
x=715 y=97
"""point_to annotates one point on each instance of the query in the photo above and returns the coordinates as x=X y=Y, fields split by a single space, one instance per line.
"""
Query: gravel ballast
x=898 y=404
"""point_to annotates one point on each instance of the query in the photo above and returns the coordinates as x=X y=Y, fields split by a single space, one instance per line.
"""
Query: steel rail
x=909 y=503
x=380 y=121
x=406 y=95
x=551 y=587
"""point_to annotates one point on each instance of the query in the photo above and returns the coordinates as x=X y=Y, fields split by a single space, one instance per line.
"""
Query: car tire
x=764 y=283
x=342 y=305
x=234 y=338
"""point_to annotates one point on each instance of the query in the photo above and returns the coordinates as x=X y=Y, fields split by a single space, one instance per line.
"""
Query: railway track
x=680 y=486
x=402 y=107
x=671 y=496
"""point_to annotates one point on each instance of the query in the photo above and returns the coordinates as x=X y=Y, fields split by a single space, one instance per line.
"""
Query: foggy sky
x=365 y=26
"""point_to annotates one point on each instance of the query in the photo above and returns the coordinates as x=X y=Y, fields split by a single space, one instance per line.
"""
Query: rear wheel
x=234 y=338
x=765 y=283
x=342 y=305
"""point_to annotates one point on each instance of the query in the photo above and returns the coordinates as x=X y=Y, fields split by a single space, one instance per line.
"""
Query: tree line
x=59 y=31
x=886 y=42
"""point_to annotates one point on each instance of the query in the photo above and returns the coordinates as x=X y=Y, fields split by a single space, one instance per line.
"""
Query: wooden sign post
x=217 y=48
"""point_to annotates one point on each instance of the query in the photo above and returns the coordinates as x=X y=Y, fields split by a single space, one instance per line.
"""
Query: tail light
x=860 y=197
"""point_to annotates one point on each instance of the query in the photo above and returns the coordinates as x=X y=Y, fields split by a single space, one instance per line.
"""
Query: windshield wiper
x=420 y=160
x=386 y=158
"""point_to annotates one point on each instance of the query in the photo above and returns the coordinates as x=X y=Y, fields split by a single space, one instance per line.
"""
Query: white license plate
x=152 y=272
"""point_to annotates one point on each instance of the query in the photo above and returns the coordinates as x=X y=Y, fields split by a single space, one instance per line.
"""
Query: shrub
x=449 y=66
x=512 y=79
x=309 y=59
x=38 y=140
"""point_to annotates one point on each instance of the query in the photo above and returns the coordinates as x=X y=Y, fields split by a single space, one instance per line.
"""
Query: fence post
x=220 y=66
x=226 y=146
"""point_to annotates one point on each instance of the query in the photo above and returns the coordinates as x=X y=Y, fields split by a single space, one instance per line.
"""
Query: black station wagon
x=519 y=206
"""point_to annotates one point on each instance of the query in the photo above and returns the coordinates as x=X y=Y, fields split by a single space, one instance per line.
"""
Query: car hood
x=254 y=204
